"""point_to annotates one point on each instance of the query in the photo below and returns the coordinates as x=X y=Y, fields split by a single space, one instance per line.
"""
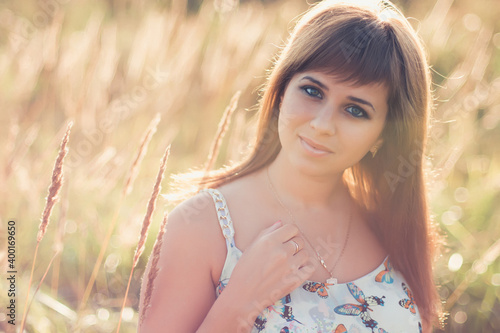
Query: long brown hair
x=361 y=44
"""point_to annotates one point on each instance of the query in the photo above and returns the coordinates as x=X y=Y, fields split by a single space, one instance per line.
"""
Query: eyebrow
x=361 y=101
x=352 y=98
x=319 y=83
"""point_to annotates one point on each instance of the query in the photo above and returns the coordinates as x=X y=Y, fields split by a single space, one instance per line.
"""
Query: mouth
x=314 y=147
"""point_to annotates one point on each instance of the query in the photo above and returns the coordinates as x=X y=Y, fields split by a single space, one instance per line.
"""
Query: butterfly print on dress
x=320 y=288
x=222 y=284
x=408 y=303
x=341 y=329
x=386 y=274
x=281 y=308
x=362 y=309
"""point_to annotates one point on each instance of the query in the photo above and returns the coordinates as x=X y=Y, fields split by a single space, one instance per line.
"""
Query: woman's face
x=340 y=120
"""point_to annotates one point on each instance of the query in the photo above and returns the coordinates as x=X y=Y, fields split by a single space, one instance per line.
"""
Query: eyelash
x=319 y=95
x=364 y=114
x=307 y=89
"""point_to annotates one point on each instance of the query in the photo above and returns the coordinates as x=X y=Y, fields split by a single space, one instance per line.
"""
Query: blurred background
x=111 y=66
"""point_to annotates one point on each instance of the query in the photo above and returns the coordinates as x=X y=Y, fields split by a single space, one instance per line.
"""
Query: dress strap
x=225 y=221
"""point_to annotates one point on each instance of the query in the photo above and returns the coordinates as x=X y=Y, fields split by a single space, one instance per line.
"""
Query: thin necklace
x=332 y=280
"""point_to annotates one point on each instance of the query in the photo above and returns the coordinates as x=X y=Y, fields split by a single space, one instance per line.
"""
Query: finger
x=301 y=258
x=273 y=227
x=299 y=274
x=295 y=246
x=270 y=229
x=306 y=271
x=285 y=233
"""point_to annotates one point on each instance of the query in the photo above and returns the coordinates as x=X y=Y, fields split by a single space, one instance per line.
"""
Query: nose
x=323 y=121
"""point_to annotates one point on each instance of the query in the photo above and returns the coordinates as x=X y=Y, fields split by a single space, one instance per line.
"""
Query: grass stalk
x=153 y=271
x=58 y=242
x=39 y=285
x=129 y=183
x=145 y=226
x=221 y=131
x=52 y=198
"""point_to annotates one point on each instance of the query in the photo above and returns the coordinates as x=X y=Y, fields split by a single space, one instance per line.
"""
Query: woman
x=324 y=226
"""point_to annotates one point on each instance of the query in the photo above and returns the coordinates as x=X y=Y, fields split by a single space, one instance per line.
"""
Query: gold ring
x=296 y=247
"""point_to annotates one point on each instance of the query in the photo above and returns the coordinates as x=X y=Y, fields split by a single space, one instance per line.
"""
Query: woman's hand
x=270 y=268
x=183 y=298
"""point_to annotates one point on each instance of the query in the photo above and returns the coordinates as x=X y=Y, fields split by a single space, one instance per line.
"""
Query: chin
x=311 y=168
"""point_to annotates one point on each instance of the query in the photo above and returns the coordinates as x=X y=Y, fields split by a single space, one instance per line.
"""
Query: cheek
x=357 y=140
x=289 y=125
x=293 y=113
x=287 y=121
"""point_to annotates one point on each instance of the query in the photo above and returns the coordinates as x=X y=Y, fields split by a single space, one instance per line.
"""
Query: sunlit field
x=134 y=77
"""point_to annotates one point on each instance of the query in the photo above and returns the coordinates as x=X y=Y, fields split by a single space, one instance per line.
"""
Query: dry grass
x=52 y=198
x=153 y=272
x=146 y=223
x=134 y=170
x=55 y=185
x=221 y=131
x=129 y=183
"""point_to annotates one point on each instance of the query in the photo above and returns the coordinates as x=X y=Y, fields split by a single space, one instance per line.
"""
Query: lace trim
x=223 y=214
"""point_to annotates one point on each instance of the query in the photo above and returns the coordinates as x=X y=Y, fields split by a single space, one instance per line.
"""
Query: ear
x=379 y=143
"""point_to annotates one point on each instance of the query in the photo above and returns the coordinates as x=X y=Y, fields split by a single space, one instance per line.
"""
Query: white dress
x=379 y=301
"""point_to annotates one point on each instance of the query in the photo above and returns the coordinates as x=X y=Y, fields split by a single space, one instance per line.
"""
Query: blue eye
x=313 y=92
x=357 y=112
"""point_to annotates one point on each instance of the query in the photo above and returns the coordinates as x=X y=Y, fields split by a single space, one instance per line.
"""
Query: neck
x=307 y=190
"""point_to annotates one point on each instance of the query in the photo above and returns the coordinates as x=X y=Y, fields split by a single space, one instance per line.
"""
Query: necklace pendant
x=331 y=280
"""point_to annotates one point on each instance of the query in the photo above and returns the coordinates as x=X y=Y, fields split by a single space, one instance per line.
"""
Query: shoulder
x=195 y=222
x=191 y=247
x=194 y=211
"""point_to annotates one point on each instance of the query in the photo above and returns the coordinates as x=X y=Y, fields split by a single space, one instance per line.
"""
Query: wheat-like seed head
x=221 y=130
x=151 y=207
x=56 y=184
x=153 y=271
x=143 y=148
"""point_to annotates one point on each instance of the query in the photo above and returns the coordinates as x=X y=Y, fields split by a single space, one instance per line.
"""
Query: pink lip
x=315 y=145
